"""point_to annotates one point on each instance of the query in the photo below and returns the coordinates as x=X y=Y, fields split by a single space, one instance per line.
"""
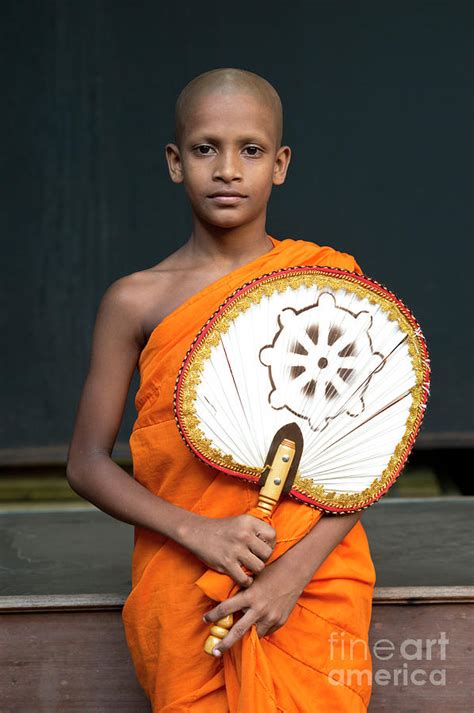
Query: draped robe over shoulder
x=319 y=660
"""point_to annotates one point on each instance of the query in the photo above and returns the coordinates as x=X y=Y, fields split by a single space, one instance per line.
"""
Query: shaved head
x=227 y=80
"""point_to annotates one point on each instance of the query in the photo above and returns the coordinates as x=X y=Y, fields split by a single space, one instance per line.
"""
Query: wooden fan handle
x=267 y=499
x=270 y=493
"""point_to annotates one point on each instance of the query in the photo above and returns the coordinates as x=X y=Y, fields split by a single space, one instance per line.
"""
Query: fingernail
x=216 y=652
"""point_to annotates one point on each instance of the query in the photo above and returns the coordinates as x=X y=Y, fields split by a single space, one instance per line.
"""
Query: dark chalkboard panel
x=413 y=542
x=378 y=111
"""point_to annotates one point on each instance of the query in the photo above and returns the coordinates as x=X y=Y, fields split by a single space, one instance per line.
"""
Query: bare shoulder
x=145 y=297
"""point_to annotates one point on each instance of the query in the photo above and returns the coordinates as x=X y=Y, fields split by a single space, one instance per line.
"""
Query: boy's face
x=228 y=146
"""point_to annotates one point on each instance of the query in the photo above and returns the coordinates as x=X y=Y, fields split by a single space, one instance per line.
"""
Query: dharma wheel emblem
x=313 y=360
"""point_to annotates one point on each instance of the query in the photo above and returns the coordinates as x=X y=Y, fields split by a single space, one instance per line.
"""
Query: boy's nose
x=227 y=166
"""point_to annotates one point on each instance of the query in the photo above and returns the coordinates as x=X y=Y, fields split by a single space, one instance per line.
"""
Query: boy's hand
x=267 y=603
x=229 y=543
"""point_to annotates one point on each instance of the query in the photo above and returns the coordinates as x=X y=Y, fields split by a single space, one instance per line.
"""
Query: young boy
x=299 y=641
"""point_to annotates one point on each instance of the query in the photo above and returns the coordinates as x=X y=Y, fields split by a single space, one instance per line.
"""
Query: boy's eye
x=253 y=150
x=205 y=150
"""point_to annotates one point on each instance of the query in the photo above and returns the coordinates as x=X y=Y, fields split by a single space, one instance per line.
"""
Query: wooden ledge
x=423 y=595
x=108 y=602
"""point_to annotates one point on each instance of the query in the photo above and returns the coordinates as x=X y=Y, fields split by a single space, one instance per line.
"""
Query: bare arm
x=116 y=344
x=224 y=543
x=304 y=559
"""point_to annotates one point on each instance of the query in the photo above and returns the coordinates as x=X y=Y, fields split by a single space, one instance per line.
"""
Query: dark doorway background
x=378 y=103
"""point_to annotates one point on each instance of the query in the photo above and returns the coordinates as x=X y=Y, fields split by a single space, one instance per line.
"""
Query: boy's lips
x=224 y=192
x=227 y=197
x=227 y=200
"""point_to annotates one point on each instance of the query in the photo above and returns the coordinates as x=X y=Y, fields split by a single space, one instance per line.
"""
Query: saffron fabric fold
x=319 y=661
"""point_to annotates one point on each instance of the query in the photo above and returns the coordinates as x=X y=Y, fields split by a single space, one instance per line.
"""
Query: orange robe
x=319 y=660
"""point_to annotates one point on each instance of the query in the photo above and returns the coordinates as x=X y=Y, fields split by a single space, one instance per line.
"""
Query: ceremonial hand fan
x=332 y=351
x=332 y=356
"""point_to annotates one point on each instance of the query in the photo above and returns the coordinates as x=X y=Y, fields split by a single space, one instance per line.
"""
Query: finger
x=260 y=549
x=253 y=563
x=266 y=533
x=265 y=628
x=262 y=529
x=228 y=606
x=239 y=576
x=235 y=633
x=272 y=630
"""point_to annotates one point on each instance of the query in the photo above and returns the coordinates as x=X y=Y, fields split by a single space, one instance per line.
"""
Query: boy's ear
x=173 y=159
x=282 y=161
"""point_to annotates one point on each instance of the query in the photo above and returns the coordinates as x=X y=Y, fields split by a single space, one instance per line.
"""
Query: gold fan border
x=266 y=285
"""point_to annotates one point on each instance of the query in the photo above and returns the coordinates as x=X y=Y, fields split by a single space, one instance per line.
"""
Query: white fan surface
x=326 y=358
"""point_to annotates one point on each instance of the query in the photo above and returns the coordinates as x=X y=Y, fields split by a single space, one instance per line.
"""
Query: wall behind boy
x=378 y=111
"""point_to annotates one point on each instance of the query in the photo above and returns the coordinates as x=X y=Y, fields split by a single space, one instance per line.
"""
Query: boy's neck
x=228 y=245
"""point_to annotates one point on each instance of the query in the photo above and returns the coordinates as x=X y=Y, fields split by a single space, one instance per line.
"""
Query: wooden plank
x=61 y=602
x=53 y=658
x=423 y=595
x=440 y=674
x=75 y=662
x=107 y=602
